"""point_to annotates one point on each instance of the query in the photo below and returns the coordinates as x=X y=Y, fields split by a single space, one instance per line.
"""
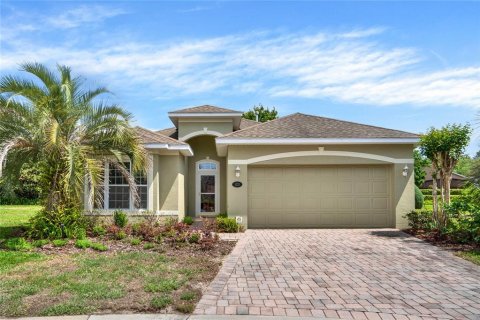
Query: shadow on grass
x=12 y=231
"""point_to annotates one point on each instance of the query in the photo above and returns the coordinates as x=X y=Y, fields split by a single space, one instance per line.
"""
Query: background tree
x=264 y=113
x=420 y=162
x=444 y=147
x=464 y=165
x=49 y=120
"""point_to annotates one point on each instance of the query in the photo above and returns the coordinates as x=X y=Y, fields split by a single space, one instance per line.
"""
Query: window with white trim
x=117 y=193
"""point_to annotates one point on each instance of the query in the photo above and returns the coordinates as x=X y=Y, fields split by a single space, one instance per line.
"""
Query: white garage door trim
x=319 y=153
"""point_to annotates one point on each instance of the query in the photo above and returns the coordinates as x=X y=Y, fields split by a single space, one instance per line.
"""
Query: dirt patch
x=435 y=238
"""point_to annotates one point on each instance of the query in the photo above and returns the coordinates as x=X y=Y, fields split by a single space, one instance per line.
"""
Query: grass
x=473 y=256
x=35 y=284
x=15 y=217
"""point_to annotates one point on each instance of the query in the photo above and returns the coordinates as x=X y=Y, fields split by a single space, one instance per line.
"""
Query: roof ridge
x=162 y=136
x=188 y=109
x=352 y=122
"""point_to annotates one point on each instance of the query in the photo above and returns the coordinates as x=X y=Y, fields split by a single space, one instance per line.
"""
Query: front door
x=207 y=187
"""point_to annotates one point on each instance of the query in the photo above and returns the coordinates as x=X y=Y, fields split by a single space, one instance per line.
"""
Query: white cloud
x=348 y=66
x=83 y=15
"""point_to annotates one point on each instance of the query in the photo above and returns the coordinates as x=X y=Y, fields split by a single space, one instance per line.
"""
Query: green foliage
x=188 y=296
x=83 y=244
x=474 y=173
x=120 y=235
x=264 y=113
x=163 y=285
x=62 y=223
x=228 y=225
x=184 y=307
x=420 y=162
x=98 y=246
x=17 y=244
x=21 y=187
x=148 y=246
x=59 y=242
x=135 y=241
x=52 y=120
x=40 y=243
x=99 y=230
x=420 y=220
x=120 y=218
x=418 y=198
x=464 y=165
x=222 y=215
x=194 y=237
x=188 y=220
x=450 y=141
x=161 y=302
x=10 y=259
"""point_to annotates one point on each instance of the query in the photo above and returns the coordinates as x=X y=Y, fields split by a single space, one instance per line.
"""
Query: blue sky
x=406 y=66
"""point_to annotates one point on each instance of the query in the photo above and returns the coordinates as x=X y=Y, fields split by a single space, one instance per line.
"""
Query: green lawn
x=473 y=256
x=12 y=217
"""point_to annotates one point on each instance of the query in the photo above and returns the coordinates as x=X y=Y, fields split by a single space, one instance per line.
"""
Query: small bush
x=59 y=242
x=161 y=302
x=207 y=243
x=40 y=243
x=420 y=220
x=222 y=215
x=62 y=223
x=418 y=198
x=135 y=242
x=99 y=230
x=185 y=307
x=17 y=244
x=98 y=246
x=120 y=235
x=80 y=233
x=188 y=220
x=120 y=218
x=170 y=221
x=188 y=296
x=228 y=225
x=148 y=246
x=83 y=243
x=194 y=237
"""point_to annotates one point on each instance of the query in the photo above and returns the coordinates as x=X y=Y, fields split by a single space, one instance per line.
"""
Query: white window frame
x=106 y=193
x=208 y=172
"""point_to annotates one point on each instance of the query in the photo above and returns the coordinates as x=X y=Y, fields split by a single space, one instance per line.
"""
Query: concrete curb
x=140 y=316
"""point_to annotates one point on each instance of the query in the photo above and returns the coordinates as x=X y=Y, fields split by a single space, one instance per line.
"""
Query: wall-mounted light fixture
x=237 y=172
x=405 y=171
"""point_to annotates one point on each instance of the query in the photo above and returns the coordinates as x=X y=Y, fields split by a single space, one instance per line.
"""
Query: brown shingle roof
x=205 y=109
x=169 y=132
x=147 y=136
x=300 y=125
x=246 y=123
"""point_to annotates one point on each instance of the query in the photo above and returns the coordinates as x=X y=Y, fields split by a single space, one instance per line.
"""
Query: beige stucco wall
x=186 y=127
x=171 y=184
x=403 y=187
x=203 y=147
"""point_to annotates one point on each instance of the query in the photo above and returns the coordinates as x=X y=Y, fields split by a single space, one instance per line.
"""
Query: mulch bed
x=435 y=238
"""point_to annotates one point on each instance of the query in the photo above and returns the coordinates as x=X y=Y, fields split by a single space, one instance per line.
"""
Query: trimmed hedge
x=453 y=192
x=418 y=198
x=430 y=197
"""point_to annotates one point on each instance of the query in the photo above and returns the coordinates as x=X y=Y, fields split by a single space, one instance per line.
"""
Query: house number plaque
x=237 y=184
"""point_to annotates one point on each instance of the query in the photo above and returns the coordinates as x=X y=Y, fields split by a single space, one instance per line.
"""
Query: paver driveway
x=348 y=274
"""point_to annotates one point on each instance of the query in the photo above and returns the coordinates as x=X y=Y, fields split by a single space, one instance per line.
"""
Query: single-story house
x=297 y=171
x=458 y=180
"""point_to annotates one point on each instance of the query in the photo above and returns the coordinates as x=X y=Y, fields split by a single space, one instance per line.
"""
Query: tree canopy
x=264 y=113
x=50 y=119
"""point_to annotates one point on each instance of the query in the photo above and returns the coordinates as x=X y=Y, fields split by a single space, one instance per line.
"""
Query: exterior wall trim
x=290 y=141
x=185 y=149
x=319 y=153
x=201 y=133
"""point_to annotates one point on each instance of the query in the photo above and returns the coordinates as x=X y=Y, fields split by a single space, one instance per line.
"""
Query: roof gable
x=205 y=109
x=147 y=137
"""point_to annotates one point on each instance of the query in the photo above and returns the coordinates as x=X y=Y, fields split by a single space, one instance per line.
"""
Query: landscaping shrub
x=420 y=220
x=135 y=242
x=40 y=243
x=148 y=246
x=59 y=242
x=418 y=198
x=228 y=225
x=62 y=223
x=208 y=242
x=99 y=230
x=98 y=246
x=184 y=307
x=80 y=233
x=120 y=218
x=188 y=296
x=188 y=220
x=120 y=235
x=17 y=244
x=161 y=302
x=222 y=215
x=194 y=237
x=83 y=243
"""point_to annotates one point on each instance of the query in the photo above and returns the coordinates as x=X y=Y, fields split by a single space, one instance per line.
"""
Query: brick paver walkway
x=347 y=274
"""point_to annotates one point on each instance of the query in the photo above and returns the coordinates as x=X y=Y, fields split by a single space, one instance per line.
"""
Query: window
x=118 y=195
x=118 y=189
x=207 y=166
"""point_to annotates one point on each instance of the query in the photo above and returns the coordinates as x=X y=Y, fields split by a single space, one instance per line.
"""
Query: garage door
x=321 y=196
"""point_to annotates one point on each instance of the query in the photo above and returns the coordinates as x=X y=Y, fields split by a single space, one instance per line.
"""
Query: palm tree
x=67 y=131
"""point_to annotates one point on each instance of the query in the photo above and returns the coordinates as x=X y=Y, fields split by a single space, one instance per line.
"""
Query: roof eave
x=183 y=149
x=307 y=141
